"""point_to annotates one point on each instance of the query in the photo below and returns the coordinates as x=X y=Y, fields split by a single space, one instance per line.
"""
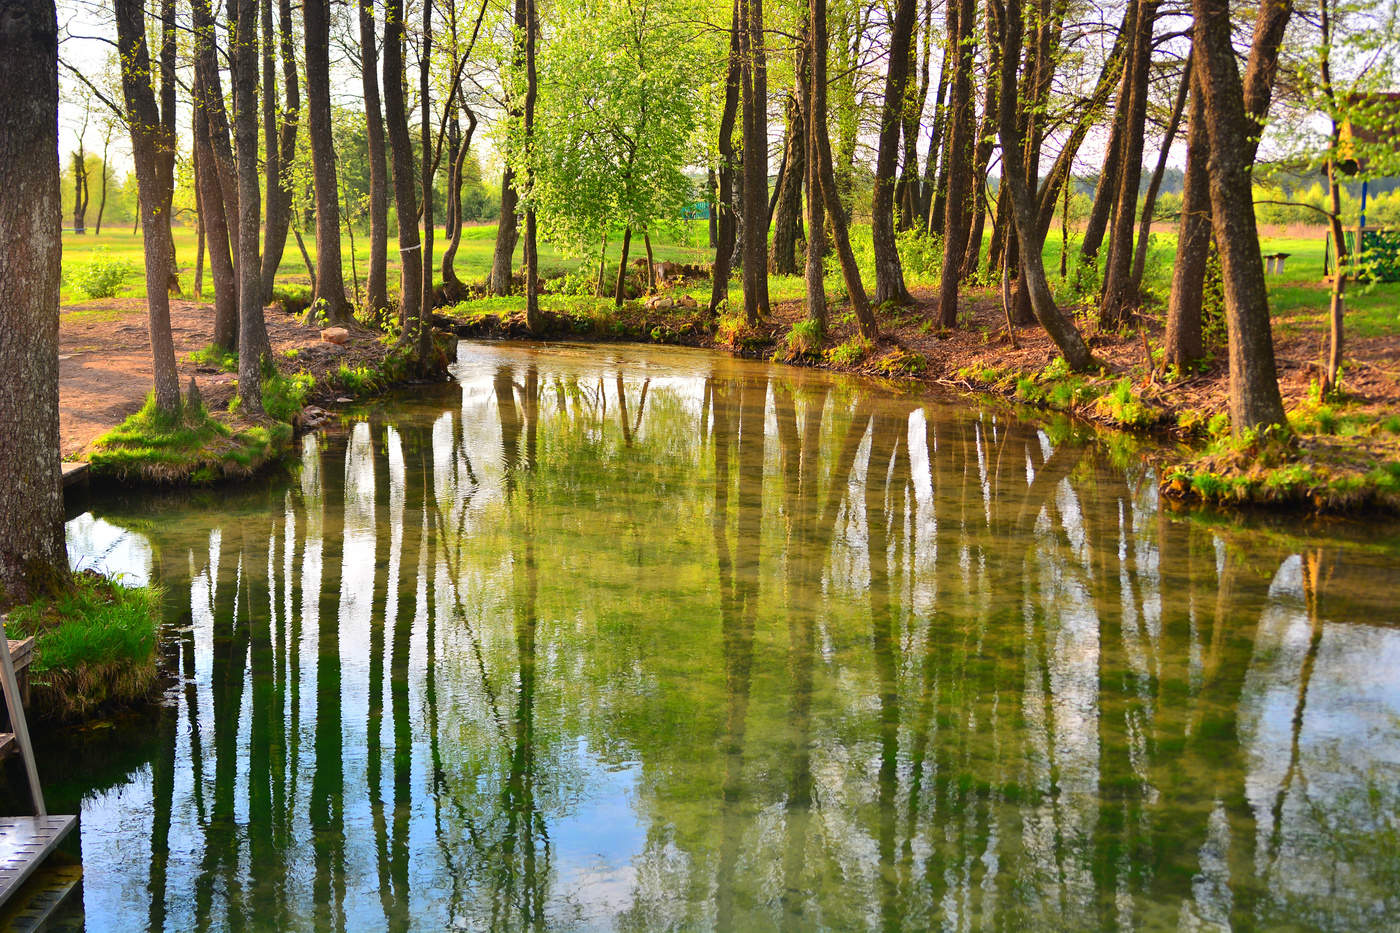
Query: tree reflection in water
x=656 y=640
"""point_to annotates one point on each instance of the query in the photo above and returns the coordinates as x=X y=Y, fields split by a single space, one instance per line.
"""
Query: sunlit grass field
x=1299 y=296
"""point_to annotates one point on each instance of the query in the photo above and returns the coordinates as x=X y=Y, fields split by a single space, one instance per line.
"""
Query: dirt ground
x=104 y=367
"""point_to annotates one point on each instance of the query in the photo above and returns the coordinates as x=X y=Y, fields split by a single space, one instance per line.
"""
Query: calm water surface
x=646 y=639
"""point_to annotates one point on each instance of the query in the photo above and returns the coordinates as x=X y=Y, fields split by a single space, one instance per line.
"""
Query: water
x=647 y=639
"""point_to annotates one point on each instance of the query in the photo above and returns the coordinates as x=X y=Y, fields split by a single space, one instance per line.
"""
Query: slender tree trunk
x=279 y=189
x=272 y=158
x=1336 y=312
x=533 y=321
x=1254 y=395
x=216 y=224
x=102 y=195
x=198 y=227
x=452 y=286
x=211 y=101
x=816 y=216
x=712 y=206
x=507 y=228
x=150 y=141
x=1120 y=298
x=330 y=280
x=932 y=192
x=981 y=158
x=1014 y=175
x=376 y=277
x=167 y=121
x=1185 y=344
x=651 y=263
x=1107 y=187
x=418 y=329
x=906 y=193
x=961 y=15
x=787 y=217
x=726 y=222
x=754 y=80
x=401 y=150
x=620 y=292
x=855 y=288
x=80 y=187
x=1149 y=200
x=33 y=555
x=889 y=272
x=252 y=332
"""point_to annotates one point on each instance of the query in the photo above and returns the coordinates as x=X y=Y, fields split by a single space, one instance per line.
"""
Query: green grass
x=193 y=448
x=94 y=645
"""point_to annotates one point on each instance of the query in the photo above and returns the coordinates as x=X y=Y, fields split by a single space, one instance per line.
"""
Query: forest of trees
x=970 y=118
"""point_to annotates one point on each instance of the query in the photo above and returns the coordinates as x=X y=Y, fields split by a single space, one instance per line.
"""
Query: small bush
x=805 y=339
x=1124 y=407
x=100 y=278
x=851 y=352
x=216 y=357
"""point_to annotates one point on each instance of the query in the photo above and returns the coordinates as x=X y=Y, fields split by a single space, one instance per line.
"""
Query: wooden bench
x=1273 y=262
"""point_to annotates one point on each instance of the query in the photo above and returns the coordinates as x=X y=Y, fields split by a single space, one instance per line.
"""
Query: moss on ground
x=94 y=646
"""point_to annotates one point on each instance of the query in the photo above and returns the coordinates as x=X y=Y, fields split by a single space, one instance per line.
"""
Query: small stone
x=659 y=303
x=336 y=335
x=688 y=301
x=344 y=400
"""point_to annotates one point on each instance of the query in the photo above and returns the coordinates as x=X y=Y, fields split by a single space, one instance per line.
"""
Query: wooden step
x=25 y=841
x=21 y=652
x=39 y=898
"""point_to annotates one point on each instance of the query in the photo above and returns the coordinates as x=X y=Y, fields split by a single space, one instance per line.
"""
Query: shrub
x=851 y=352
x=804 y=339
x=100 y=278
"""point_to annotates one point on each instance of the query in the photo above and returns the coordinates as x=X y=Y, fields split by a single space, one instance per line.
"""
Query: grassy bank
x=94 y=647
x=203 y=445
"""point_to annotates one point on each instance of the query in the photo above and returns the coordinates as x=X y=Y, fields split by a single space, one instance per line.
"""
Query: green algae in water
x=644 y=639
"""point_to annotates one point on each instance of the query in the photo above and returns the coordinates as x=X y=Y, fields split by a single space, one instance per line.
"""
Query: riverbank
x=1341 y=454
x=105 y=381
x=94 y=647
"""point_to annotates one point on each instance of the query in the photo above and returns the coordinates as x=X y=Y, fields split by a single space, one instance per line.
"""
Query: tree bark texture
x=958 y=157
x=330 y=279
x=787 y=216
x=1254 y=394
x=507 y=227
x=754 y=83
x=889 y=272
x=33 y=555
x=1185 y=343
x=216 y=224
x=252 y=332
x=726 y=222
x=376 y=277
x=279 y=190
x=152 y=148
x=401 y=150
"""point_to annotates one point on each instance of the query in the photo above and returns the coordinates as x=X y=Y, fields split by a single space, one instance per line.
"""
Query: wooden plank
x=36 y=902
x=25 y=841
x=21 y=652
x=7 y=743
x=74 y=471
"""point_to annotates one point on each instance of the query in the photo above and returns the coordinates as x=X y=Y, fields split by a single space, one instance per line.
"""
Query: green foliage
x=1122 y=405
x=356 y=380
x=851 y=352
x=216 y=357
x=805 y=339
x=902 y=363
x=284 y=397
x=100 y=277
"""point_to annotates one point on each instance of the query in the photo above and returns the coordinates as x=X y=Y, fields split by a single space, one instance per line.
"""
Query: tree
x=1016 y=178
x=727 y=225
x=252 y=331
x=1184 y=341
x=1254 y=395
x=280 y=124
x=889 y=273
x=753 y=83
x=153 y=151
x=33 y=555
x=507 y=228
x=330 y=281
x=376 y=279
x=957 y=155
x=401 y=150
x=80 y=173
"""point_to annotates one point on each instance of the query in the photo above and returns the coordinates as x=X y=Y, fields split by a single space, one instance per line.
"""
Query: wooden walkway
x=27 y=841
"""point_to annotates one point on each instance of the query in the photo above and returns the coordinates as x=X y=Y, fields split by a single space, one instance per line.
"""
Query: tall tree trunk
x=937 y=137
x=198 y=289
x=1332 y=373
x=452 y=286
x=727 y=225
x=150 y=143
x=620 y=292
x=272 y=158
x=330 y=279
x=1185 y=344
x=401 y=150
x=1149 y=200
x=167 y=122
x=981 y=158
x=754 y=81
x=211 y=101
x=712 y=206
x=855 y=288
x=216 y=223
x=102 y=191
x=507 y=228
x=1254 y=395
x=418 y=327
x=1107 y=188
x=1120 y=298
x=80 y=190
x=252 y=332
x=33 y=555
x=279 y=189
x=906 y=192
x=815 y=269
x=376 y=278
x=787 y=218
x=1014 y=175
x=889 y=272
x=961 y=18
